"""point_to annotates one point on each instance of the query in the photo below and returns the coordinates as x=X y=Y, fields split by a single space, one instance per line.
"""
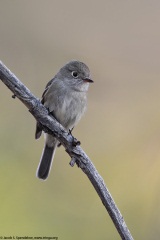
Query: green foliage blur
x=119 y=41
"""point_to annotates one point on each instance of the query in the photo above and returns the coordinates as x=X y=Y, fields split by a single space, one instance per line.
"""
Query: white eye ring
x=74 y=74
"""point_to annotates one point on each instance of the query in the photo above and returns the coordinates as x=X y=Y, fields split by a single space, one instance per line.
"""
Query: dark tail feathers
x=45 y=162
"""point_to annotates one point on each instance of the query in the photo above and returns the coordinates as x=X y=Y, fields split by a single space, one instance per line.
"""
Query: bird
x=65 y=97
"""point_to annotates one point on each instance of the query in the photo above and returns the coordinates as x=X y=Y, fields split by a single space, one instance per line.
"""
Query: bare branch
x=51 y=126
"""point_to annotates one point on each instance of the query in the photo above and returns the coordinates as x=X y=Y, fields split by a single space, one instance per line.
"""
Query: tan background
x=120 y=41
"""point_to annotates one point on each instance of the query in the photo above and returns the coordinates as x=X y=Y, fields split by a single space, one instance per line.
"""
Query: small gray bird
x=65 y=97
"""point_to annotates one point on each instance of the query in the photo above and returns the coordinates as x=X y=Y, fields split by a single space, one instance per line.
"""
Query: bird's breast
x=70 y=109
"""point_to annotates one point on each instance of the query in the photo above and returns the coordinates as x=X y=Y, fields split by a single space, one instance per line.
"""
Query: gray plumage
x=65 y=97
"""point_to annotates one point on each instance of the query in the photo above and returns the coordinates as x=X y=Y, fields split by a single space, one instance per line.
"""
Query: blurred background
x=120 y=42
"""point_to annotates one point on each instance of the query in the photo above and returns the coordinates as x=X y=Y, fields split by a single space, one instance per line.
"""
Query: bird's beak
x=86 y=79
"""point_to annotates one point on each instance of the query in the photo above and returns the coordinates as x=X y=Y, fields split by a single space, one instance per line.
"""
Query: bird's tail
x=46 y=161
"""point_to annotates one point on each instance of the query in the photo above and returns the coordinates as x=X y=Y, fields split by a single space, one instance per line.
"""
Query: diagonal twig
x=51 y=126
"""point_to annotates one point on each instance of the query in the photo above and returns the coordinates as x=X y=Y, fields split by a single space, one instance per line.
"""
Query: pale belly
x=71 y=111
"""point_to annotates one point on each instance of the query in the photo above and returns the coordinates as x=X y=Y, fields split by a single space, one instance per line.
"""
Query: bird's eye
x=75 y=74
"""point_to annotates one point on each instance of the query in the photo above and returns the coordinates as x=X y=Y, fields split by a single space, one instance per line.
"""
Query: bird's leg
x=70 y=131
x=59 y=144
x=75 y=141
